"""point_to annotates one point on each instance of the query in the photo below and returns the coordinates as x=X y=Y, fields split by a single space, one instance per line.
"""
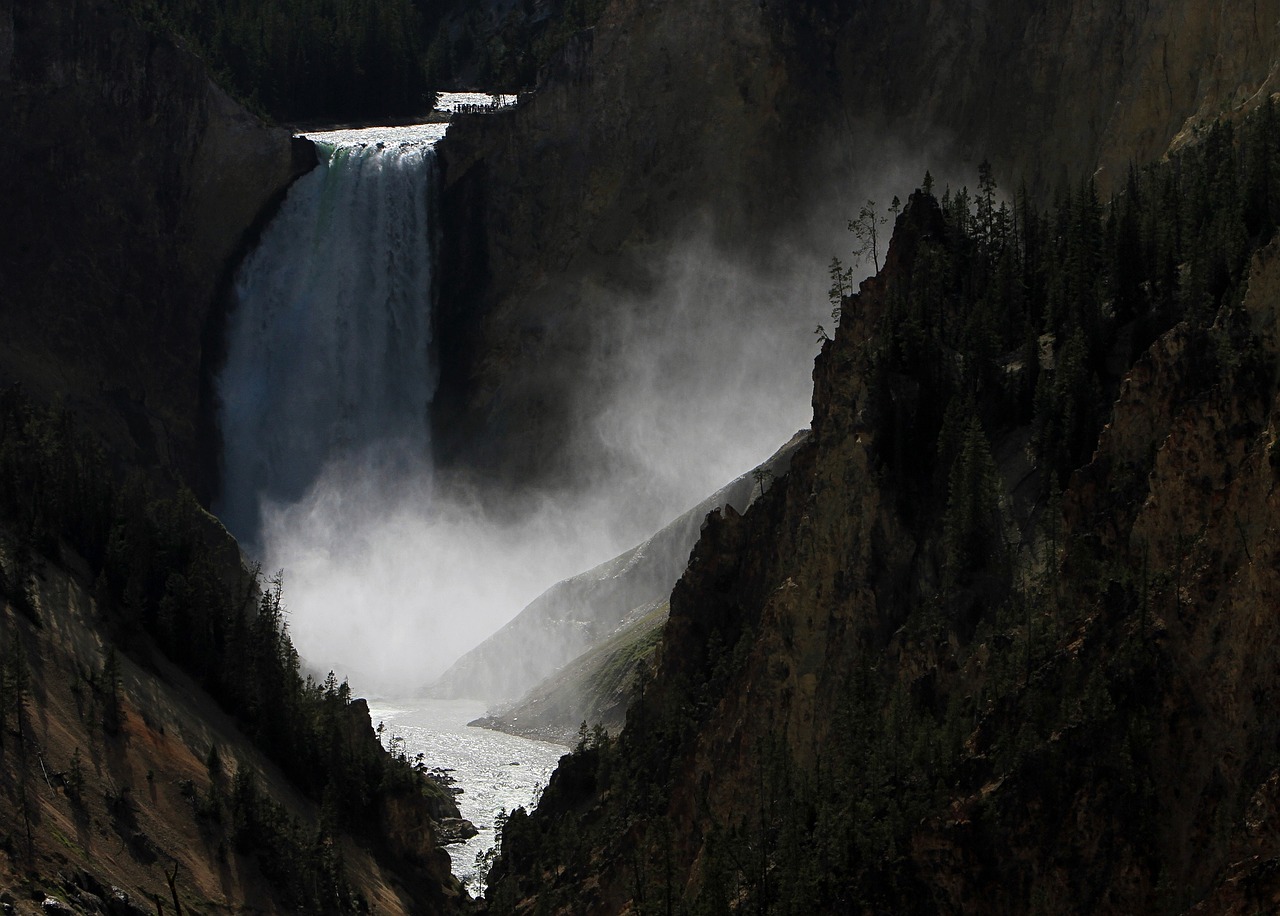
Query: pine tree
x=972 y=526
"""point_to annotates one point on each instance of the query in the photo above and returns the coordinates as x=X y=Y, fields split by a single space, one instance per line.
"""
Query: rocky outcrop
x=455 y=830
x=122 y=782
x=130 y=182
x=771 y=122
x=1111 y=743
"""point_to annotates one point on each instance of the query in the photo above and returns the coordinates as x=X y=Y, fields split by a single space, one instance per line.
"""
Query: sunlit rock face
x=129 y=182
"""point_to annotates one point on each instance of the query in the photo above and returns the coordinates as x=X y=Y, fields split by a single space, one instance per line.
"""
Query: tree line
x=1005 y=316
x=166 y=579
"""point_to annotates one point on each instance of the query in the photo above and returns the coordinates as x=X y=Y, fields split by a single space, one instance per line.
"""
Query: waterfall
x=393 y=571
x=329 y=353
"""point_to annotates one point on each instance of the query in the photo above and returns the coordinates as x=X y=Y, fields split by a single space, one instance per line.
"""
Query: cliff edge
x=130 y=182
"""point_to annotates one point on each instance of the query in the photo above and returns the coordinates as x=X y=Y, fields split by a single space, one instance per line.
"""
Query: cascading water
x=325 y=398
x=324 y=409
x=329 y=345
x=390 y=575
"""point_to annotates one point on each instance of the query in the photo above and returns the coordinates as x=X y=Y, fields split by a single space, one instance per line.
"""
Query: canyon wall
x=836 y=723
x=130 y=182
x=765 y=126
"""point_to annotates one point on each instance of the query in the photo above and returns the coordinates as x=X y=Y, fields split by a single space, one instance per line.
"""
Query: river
x=496 y=771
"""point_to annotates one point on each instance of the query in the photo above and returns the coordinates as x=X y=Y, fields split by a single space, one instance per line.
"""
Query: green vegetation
x=623 y=659
x=597 y=687
x=168 y=579
x=304 y=865
x=982 y=707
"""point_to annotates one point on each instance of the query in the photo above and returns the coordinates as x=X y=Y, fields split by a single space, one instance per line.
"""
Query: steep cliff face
x=129 y=182
x=559 y=207
x=850 y=712
x=152 y=709
x=762 y=629
x=776 y=120
x=124 y=783
x=1062 y=89
x=564 y=205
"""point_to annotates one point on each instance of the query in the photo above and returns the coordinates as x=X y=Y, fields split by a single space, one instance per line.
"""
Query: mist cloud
x=391 y=573
x=388 y=581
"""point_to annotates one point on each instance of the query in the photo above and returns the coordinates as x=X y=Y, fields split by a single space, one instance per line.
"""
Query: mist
x=392 y=571
x=389 y=579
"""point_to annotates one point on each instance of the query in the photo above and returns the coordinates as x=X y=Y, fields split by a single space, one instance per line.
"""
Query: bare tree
x=866 y=229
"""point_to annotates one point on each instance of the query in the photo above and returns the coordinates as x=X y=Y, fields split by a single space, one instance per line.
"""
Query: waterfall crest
x=329 y=343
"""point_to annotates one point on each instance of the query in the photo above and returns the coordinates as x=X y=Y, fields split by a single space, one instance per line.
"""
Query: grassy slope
x=595 y=688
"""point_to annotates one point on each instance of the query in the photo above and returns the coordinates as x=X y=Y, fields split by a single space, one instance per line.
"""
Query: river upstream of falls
x=496 y=772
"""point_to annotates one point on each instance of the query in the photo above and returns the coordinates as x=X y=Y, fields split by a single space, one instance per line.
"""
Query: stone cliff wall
x=641 y=123
x=136 y=790
x=129 y=181
x=1053 y=91
x=1126 y=765
x=773 y=119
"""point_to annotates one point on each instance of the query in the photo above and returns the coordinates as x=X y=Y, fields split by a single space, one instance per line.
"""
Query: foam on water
x=496 y=771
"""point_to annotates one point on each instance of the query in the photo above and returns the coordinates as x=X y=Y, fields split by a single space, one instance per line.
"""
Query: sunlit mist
x=391 y=571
